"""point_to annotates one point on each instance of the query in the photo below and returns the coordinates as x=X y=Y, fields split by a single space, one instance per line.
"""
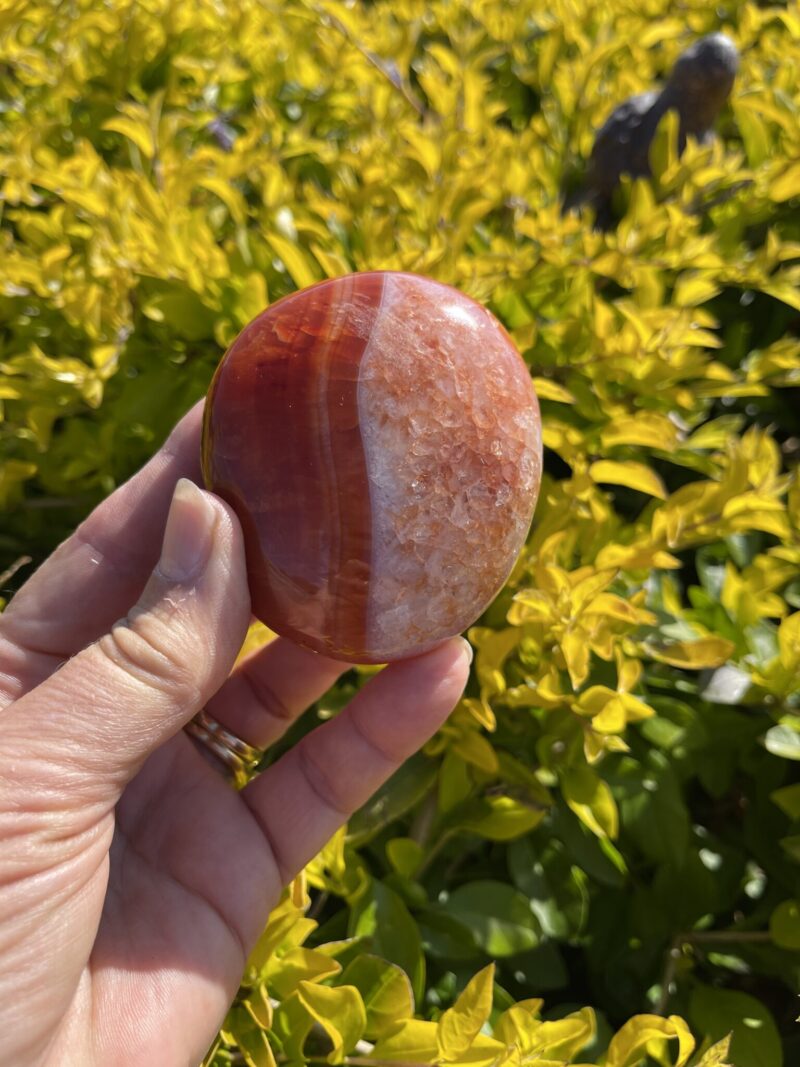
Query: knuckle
x=319 y=779
x=267 y=699
x=150 y=653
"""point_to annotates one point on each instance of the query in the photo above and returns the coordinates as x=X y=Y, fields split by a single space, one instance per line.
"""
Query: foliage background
x=613 y=812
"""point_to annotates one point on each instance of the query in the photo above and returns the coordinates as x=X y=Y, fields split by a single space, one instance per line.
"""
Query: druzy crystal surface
x=378 y=436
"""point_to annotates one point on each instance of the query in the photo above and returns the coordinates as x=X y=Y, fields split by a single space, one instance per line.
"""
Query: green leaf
x=498 y=916
x=717 y=1012
x=339 y=1011
x=381 y=916
x=385 y=991
x=653 y=809
x=399 y=794
x=784 y=925
x=498 y=818
x=405 y=855
x=291 y=1025
x=460 y=1025
x=788 y=800
x=250 y=1037
x=556 y=887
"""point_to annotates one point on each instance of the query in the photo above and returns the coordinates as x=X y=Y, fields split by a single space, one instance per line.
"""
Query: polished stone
x=379 y=438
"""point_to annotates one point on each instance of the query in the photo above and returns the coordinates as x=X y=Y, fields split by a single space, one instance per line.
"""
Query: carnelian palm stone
x=379 y=438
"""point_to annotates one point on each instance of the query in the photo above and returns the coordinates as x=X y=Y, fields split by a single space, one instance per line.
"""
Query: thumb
x=106 y=709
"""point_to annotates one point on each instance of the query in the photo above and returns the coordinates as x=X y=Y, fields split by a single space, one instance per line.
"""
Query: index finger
x=94 y=577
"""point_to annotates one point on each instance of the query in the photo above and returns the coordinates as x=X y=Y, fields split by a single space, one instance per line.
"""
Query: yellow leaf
x=635 y=709
x=783 y=291
x=560 y=1039
x=415 y=1042
x=13 y=474
x=611 y=711
x=294 y=259
x=528 y=605
x=500 y=818
x=787 y=184
x=284 y=973
x=588 y=587
x=593 y=700
x=663 y=152
x=287 y=927
x=612 y=718
x=614 y=607
x=575 y=649
x=332 y=263
x=259 y=1006
x=460 y=1025
x=475 y=749
x=547 y=390
x=481 y=711
x=717 y=1055
x=591 y=800
x=633 y=475
x=630 y=1044
x=693 y=655
x=229 y=195
x=519 y=1022
x=340 y=1012
x=789 y=643
x=138 y=132
x=695 y=287
x=649 y=429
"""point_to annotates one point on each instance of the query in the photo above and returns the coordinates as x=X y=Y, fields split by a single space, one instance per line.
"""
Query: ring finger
x=270 y=689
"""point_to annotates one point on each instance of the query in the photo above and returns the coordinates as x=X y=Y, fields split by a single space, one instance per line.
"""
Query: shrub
x=611 y=816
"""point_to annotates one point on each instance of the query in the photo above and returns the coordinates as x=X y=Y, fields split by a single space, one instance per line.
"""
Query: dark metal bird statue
x=697 y=88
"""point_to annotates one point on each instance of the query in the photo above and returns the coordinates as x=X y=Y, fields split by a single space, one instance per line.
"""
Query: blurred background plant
x=611 y=818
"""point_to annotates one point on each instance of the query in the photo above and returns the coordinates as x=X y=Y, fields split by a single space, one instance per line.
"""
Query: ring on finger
x=238 y=757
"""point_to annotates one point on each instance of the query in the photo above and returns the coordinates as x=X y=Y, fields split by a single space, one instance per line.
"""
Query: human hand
x=134 y=879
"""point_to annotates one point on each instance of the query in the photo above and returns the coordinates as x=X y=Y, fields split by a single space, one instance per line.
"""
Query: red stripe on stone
x=282 y=445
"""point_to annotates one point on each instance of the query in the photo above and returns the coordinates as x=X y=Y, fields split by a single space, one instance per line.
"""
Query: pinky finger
x=310 y=792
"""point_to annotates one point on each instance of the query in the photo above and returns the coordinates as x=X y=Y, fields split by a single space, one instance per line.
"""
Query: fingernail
x=467 y=650
x=187 y=537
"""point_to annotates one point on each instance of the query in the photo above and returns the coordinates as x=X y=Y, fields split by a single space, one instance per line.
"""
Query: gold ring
x=239 y=758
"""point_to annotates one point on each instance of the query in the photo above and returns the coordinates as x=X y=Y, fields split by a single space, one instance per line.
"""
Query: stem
x=700 y=937
x=668 y=977
x=433 y=852
x=318 y=905
x=41 y=503
x=399 y=83
x=422 y=826
x=358 y=1061
x=9 y=572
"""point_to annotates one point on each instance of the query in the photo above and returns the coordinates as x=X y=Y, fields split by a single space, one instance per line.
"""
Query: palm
x=187 y=861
